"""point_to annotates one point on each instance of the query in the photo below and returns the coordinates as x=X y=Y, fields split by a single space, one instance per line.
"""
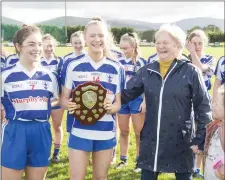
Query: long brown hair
x=23 y=33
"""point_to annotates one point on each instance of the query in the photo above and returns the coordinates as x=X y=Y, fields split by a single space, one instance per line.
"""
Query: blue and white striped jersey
x=54 y=64
x=3 y=61
x=207 y=59
x=12 y=59
x=110 y=75
x=153 y=58
x=131 y=68
x=72 y=56
x=220 y=70
x=117 y=54
x=26 y=94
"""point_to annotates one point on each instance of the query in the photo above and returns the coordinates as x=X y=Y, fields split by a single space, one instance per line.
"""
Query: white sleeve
x=2 y=87
x=2 y=84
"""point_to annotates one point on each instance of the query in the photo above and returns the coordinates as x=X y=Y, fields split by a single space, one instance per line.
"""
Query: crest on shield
x=89 y=97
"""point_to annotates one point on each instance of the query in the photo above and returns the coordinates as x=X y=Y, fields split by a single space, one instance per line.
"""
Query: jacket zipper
x=159 y=116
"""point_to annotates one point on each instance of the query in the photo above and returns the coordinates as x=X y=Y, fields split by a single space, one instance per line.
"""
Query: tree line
x=63 y=34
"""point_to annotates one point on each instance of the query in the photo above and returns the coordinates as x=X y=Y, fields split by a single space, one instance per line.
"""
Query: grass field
x=60 y=171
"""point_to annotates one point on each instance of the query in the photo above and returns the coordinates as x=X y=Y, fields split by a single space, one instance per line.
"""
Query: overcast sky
x=155 y=12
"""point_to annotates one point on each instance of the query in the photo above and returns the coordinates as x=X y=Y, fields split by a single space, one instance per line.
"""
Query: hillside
x=115 y=22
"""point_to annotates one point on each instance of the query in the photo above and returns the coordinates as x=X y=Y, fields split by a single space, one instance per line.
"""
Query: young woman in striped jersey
x=78 y=43
x=27 y=93
x=99 y=138
x=53 y=63
x=205 y=62
x=135 y=109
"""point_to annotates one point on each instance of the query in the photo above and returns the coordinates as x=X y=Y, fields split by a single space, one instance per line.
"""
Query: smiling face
x=48 y=47
x=127 y=48
x=77 y=44
x=95 y=38
x=198 y=42
x=31 y=47
x=166 y=46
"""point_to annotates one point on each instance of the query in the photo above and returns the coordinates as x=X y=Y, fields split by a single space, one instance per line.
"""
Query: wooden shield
x=89 y=97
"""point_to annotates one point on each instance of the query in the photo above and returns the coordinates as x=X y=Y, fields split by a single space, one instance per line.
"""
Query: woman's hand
x=190 y=47
x=196 y=150
x=143 y=107
x=109 y=107
x=71 y=106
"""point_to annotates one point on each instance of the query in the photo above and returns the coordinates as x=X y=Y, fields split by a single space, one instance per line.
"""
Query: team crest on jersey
x=110 y=78
x=46 y=85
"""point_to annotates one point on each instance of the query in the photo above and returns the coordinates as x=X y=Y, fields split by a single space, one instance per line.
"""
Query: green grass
x=60 y=171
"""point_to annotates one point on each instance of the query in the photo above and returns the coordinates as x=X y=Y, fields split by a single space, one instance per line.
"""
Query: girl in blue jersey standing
x=54 y=64
x=135 y=109
x=99 y=138
x=28 y=91
x=78 y=43
x=205 y=62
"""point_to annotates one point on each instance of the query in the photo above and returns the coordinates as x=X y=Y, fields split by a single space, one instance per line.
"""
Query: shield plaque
x=89 y=97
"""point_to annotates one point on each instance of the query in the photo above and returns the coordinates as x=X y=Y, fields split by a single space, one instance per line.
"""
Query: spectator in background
x=195 y=45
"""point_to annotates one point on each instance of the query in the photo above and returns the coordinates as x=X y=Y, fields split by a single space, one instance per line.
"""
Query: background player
x=54 y=64
x=135 y=109
x=78 y=43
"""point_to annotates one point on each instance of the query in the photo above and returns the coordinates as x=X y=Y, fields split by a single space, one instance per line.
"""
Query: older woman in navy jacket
x=174 y=91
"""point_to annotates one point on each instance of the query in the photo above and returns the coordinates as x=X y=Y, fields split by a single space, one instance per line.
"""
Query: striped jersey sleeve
x=220 y=70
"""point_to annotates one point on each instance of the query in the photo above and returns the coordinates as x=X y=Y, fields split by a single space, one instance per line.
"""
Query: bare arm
x=217 y=84
x=195 y=59
x=66 y=101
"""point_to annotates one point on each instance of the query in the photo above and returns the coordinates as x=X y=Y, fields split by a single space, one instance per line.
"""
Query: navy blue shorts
x=133 y=107
x=26 y=144
x=90 y=145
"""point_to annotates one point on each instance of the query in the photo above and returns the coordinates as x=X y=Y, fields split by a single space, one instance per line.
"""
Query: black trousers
x=149 y=175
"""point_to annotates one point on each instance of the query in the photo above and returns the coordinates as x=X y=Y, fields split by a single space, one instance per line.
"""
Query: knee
x=124 y=133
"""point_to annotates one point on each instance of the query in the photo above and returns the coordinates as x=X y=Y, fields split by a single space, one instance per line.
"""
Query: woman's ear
x=18 y=48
